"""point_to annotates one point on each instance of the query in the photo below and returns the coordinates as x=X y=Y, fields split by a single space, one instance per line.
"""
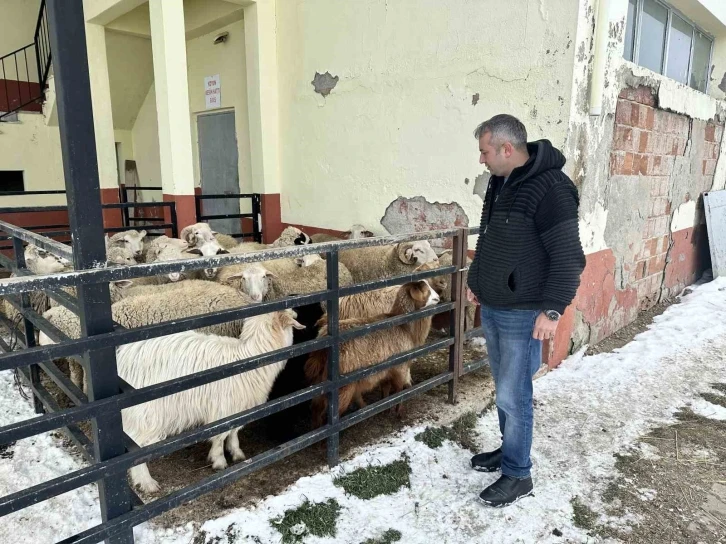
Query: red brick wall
x=678 y=156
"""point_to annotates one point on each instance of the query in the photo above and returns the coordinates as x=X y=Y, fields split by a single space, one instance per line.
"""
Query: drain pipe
x=597 y=82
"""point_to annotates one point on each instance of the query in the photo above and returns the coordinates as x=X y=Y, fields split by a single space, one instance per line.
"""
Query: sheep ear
x=368 y=234
x=300 y=261
x=287 y=318
x=123 y=284
x=347 y=234
x=270 y=274
x=195 y=251
x=239 y=274
x=214 y=233
x=451 y=251
x=222 y=251
x=142 y=234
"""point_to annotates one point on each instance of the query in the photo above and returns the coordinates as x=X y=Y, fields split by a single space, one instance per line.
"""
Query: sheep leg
x=216 y=452
x=319 y=405
x=141 y=478
x=77 y=375
x=346 y=396
x=359 y=399
x=399 y=379
x=232 y=445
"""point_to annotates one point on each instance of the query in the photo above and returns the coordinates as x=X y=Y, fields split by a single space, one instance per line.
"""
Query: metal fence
x=254 y=198
x=33 y=361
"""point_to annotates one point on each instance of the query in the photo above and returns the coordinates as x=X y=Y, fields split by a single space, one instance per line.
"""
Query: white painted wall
x=400 y=120
x=145 y=135
x=17 y=25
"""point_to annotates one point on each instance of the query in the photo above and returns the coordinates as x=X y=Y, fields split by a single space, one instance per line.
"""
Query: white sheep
x=140 y=306
x=226 y=241
x=353 y=233
x=170 y=357
x=291 y=236
x=202 y=237
x=133 y=240
x=374 y=263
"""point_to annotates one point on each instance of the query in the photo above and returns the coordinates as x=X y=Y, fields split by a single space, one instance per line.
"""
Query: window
x=11 y=180
x=659 y=38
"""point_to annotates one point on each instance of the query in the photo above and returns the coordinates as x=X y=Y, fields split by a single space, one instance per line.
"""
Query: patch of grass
x=713 y=398
x=372 y=481
x=461 y=431
x=584 y=517
x=318 y=519
x=388 y=537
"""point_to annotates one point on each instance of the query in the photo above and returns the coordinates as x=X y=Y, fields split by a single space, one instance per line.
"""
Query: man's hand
x=544 y=328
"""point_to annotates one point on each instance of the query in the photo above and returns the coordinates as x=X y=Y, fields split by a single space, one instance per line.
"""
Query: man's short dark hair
x=504 y=128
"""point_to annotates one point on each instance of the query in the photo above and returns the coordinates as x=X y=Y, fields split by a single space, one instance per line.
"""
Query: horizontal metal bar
x=117 y=205
x=389 y=402
x=87 y=475
x=39 y=227
x=234 y=473
x=33 y=209
x=56 y=248
x=397 y=280
x=155 y=227
x=120 y=337
x=390 y=322
x=152 y=219
x=76 y=396
x=30 y=427
x=217 y=196
x=226 y=216
x=479 y=331
x=100 y=275
x=139 y=188
x=475 y=365
x=38 y=321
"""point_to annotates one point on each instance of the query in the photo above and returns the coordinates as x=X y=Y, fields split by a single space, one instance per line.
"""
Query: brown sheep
x=372 y=349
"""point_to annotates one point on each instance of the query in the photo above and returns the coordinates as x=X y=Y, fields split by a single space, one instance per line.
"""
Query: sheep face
x=209 y=250
x=418 y=253
x=292 y=236
x=254 y=280
x=422 y=294
x=356 y=232
x=121 y=256
x=134 y=242
x=41 y=261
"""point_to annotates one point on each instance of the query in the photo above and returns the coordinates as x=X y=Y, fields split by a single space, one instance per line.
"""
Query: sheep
x=131 y=239
x=248 y=247
x=120 y=255
x=139 y=306
x=202 y=237
x=226 y=241
x=151 y=250
x=372 y=349
x=380 y=301
x=291 y=236
x=374 y=263
x=41 y=262
x=252 y=279
x=355 y=232
x=167 y=358
x=288 y=278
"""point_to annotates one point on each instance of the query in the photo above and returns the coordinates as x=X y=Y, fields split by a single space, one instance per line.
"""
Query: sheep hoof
x=149 y=485
x=238 y=456
x=219 y=464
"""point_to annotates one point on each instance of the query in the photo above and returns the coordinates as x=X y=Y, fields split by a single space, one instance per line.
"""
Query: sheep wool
x=374 y=263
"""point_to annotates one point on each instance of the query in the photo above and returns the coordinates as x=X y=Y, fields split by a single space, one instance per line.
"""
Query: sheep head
x=437 y=283
x=308 y=260
x=357 y=231
x=133 y=240
x=201 y=235
x=253 y=279
x=419 y=253
x=119 y=255
x=40 y=261
x=420 y=293
x=291 y=236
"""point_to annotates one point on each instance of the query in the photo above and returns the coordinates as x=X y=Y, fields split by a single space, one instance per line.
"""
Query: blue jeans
x=514 y=357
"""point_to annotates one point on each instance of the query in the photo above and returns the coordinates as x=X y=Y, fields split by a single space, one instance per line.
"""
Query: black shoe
x=487 y=462
x=506 y=490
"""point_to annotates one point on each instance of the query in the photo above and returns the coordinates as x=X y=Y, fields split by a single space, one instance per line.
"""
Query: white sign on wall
x=212 y=92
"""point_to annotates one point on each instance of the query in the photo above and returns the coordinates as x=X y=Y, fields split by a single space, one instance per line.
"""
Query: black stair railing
x=25 y=71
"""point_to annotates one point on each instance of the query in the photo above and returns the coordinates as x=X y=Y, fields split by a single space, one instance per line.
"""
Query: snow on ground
x=586 y=411
x=707 y=409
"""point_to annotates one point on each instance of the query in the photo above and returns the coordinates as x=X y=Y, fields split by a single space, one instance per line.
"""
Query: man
x=525 y=272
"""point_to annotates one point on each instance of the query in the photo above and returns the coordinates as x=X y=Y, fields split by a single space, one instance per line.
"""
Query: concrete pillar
x=262 y=100
x=103 y=122
x=172 y=107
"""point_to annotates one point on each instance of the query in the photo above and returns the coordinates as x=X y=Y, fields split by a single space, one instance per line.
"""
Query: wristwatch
x=552 y=315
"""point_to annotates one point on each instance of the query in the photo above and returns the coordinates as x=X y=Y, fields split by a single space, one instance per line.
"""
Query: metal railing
x=25 y=71
x=130 y=219
x=34 y=361
x=254 y=215
x=154 y=226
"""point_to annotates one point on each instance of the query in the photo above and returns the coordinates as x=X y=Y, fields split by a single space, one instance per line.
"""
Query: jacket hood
x=543 y=156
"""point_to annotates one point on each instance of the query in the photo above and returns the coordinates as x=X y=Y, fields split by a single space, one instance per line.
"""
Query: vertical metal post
x=198 y=206
x=256 y=207
x=75 y=119
x=123 y=198
x=457 y=315
x=172 y=217
x=32 y=373
x=333 y=354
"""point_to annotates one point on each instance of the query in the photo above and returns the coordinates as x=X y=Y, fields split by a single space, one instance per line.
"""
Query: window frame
x=666 y=43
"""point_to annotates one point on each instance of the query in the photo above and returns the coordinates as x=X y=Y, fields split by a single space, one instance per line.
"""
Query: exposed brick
x=650 y=119
x=716 y=151
x=640 y=270
x=643 y=141
x=659 y=124
x=654 y=183
x=635 y=114
x=669 y=207
x=623 y=138
x=664 y=186
x=623 y=112
x=676 y=148
x=656 y=168
x=628 y=165
x=652 y=267
x=642 y=95
x=661 y=226
x=662 y=244
x=642 y=166
x=649 y=231
x=710 y=133
x=649 y=248
x=709 y=167
x=660 y=205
